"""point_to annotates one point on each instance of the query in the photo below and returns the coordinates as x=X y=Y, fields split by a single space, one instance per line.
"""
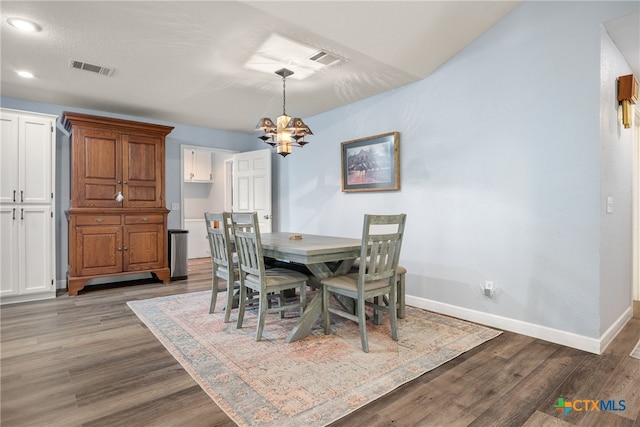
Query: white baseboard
x=569 y=339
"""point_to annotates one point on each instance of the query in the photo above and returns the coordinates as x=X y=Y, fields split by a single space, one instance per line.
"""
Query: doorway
x=205 y=187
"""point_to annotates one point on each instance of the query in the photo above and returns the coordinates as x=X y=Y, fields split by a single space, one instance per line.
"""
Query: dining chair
x=401 y=272
x=376 y=277
x=254 y=276
x=222 y=263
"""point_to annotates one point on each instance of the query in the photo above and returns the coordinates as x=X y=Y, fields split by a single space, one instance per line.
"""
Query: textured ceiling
x=185 y=61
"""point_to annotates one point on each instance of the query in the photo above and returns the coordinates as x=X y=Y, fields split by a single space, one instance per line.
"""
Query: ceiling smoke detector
x=104 y=71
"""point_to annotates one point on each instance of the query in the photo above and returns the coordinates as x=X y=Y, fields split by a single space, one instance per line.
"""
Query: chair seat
x=350 y=282
x=278 y=276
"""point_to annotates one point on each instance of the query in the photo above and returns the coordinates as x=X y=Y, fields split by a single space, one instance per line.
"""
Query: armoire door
x=143 y=171
x=97 y=178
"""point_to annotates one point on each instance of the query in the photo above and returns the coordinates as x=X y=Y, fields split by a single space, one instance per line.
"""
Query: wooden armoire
x=118 y=214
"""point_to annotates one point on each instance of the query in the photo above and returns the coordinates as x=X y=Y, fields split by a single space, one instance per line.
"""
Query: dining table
x=324 y=256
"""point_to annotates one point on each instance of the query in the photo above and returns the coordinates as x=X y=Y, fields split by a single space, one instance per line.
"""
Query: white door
x=252 y=185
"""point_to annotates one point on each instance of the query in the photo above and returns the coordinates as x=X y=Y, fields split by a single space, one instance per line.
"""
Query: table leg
x=308 y=318
x=314 y=309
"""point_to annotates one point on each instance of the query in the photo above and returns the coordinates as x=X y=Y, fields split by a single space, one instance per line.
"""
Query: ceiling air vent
x=324 y=58
x=90 y=67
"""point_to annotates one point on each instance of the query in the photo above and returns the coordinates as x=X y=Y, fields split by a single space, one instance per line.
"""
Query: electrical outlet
x=175 y=206
x=488 y=289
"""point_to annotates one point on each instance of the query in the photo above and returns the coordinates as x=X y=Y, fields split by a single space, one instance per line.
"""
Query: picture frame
x=371 y=163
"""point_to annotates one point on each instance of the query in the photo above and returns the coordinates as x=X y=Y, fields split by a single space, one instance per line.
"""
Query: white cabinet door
x=35 y=248
x=198 y=165
x=197 y=240
x=36 y=152
x=203 y=166
x=9 y=277
x=9 y=158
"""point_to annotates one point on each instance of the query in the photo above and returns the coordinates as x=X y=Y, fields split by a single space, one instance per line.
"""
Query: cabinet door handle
x=119 y=182
x=126 y=248
x=21 y=214
x=120 y=249
x=145 y=219
x=14 y=213
x=99 y=220
x=14 y=195
x=21 y=196
x=125 y=182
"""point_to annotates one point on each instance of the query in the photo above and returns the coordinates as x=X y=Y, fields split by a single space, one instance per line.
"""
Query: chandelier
x=287 y=132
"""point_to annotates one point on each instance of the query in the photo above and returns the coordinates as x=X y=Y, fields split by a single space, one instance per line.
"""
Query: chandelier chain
x=284 y=95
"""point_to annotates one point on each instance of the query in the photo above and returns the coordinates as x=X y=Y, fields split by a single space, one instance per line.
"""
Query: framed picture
x=372 y=163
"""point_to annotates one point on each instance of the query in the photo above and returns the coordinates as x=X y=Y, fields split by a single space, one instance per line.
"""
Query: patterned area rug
x=311 y=382
x=636 y=351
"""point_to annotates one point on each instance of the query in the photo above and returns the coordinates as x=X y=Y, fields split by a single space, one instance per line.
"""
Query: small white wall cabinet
x=27 y=218
x=198 y=165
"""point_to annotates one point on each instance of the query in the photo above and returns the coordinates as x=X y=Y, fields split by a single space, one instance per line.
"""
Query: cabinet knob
x=99 y=220
x=126 y=248
x=119 y=182
x=145 y=219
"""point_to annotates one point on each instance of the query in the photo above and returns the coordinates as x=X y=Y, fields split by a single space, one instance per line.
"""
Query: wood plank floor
x=89 y=361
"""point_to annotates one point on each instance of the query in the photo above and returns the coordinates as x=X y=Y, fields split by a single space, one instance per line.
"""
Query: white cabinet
x=198 y=165
x=27 y=253
x=198 y=241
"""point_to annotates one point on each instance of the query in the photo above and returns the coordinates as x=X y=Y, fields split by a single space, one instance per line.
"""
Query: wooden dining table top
x=310 y=248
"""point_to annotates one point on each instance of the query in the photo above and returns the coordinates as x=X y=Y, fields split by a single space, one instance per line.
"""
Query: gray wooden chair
x=254 y=276
x=222 y=263
x=376 y=277
x=401 y=272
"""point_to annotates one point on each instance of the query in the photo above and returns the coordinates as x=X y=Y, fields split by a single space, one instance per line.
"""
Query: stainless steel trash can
x=178 y=254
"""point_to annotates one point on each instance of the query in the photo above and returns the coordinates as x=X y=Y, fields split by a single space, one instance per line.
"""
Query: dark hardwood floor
x=89 y=361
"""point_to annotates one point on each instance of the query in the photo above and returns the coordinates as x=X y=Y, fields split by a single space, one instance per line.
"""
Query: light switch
x=609 y=204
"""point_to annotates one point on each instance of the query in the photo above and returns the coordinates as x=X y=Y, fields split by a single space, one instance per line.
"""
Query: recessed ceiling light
x=25 y=74
x=24 y=25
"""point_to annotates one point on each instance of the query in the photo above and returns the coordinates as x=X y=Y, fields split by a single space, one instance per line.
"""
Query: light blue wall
x=616 y=166
x=501 y=159
x=181 y=134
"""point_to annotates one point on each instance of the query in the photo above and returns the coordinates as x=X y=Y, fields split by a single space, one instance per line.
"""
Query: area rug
x=311 y=382
x=636 y=351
